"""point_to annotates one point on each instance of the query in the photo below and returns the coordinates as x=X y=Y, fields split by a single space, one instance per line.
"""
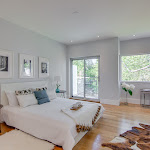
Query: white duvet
x=45 y=121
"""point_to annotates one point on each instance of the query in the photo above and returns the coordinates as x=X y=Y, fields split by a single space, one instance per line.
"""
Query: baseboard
x=102 y=101
x=131 y=100
x=85 y=100
x=110 y=102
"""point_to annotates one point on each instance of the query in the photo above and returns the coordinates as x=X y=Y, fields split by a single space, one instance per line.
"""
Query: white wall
x=134 y=47
x=20 y=40
x=109 y=66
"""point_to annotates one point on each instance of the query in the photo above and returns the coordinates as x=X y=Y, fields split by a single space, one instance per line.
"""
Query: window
x=136 y=68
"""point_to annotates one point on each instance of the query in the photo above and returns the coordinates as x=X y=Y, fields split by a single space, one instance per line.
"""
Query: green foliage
x=124 y=89
x=57 y=85
x=136 y=68
x=130 y=92
x=26 y=65
x=80 y=67
x=91 y=67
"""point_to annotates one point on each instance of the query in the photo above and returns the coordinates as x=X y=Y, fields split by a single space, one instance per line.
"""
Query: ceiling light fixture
x=71 y=41
x=75 y=12
x=98 y=36
x=134 y=35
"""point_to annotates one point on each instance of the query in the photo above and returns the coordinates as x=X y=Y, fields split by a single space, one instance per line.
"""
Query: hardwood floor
x=5 y=128
x=116 y=120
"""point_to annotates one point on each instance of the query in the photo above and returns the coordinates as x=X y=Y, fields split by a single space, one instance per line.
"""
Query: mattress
x=45 y=121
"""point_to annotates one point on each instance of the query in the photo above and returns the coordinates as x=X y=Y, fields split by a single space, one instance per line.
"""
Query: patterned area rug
x=136 y=139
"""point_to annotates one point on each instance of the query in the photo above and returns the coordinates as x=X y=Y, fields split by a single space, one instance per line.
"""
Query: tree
x=136 y=68
x=91 y=73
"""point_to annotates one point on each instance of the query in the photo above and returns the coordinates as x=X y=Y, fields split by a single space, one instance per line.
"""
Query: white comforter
x=45 y=121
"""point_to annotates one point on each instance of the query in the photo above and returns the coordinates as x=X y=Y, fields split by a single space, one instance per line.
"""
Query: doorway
x=85 y=77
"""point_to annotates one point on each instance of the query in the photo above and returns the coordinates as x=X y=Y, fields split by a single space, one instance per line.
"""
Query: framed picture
x=27 y=63
x=43 y=67
x=6 y=64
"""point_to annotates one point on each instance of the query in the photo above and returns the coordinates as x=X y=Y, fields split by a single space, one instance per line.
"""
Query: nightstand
x=62 y=93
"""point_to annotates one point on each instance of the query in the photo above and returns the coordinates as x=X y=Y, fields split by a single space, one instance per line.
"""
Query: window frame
x=71 y=77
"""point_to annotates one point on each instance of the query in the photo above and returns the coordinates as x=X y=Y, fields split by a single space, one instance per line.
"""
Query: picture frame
x=43 y=67
x=6 y=64
x=26 y=66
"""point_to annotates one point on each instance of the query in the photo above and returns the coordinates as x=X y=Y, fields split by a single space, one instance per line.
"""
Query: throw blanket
x=85 y=117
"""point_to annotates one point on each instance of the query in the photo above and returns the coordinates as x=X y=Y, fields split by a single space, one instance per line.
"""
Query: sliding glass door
x=85 y=77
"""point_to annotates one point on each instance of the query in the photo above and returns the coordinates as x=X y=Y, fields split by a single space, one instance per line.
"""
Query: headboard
x=19 y=86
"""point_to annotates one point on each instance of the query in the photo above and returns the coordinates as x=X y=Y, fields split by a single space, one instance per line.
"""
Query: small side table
x=144 y=92
x=62 y=92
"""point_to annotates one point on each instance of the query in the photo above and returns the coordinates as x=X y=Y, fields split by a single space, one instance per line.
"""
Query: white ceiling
x=55 y=18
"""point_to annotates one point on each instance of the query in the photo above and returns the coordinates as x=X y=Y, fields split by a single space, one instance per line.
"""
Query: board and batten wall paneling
x=108 y=50
x=135 y=47
x=21 y=40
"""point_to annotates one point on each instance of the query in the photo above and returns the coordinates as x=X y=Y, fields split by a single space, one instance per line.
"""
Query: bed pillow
x=40 y=89
x=24 y=92
x=27 y=100
x=41 y=96
x=51 y=95
x=12 y=99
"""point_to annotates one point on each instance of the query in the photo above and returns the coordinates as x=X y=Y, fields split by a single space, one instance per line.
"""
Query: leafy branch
x=57 y=85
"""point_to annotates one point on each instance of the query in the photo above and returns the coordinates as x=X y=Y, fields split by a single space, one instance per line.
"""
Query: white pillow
x=12 y=99
x=51 y=95
x=27 y=100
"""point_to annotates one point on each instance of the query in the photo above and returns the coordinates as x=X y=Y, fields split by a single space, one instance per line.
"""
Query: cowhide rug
x=136 y=139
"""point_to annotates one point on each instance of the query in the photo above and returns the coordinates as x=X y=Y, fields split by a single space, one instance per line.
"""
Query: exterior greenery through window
x=85 y=77
x=136 y=68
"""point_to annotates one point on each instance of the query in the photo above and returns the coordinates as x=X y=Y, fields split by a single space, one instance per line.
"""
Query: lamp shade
x=57 y=78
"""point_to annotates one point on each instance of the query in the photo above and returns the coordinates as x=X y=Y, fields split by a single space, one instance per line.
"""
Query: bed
x=45 y=121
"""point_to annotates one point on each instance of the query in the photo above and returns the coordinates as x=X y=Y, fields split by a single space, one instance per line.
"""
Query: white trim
x=136 y=81
x=130 y=100
x=136 y=54
x=110 y=102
